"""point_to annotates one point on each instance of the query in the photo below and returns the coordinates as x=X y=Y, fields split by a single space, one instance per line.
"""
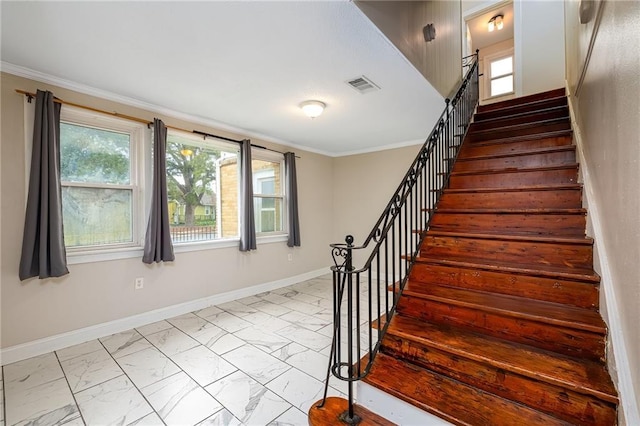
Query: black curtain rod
x=216 y=136
x=235 y=141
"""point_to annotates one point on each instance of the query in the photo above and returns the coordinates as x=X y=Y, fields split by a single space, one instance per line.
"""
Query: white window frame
x=275 y=157
x=139 y=145
x=487 y=60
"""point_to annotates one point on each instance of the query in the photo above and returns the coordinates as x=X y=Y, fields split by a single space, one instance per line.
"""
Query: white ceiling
x=244 y=65
x=478 y=26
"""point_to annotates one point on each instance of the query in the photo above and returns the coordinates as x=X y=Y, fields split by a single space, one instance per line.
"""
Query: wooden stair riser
x=532 y=199
x=507 y=147
x=521 y=109
x=511 y=224
x=532 y=117
x=557 y=158
x=572 y=293
x=514 y=179
x=552 y=399
x=523 y=101
x=518 y=252
x=562 y=340
x=453 y=401
x=519 y=131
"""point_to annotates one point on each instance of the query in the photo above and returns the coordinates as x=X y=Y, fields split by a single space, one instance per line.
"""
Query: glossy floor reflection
x=260 y=360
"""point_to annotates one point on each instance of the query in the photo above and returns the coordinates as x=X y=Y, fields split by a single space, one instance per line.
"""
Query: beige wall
x=98 y=292
x=539 y=46
x=363 y=185
x=402 y=22
x=607 y=110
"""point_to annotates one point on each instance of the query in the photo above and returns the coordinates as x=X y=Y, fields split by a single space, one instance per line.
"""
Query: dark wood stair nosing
x=512 y=268
x=545 y=187
x=523 y=101
x=508 y=211
x=515 y=170
x=480 y=397
x=523 y=153
x=523 y=138
x=518 y=238
x=478 y=354
x=522 y=114
x=522 y=126
x=497 y=297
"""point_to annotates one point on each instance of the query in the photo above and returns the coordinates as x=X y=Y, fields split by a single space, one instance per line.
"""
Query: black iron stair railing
x=371 y=292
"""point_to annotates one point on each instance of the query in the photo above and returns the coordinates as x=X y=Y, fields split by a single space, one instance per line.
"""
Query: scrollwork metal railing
x=365 y=298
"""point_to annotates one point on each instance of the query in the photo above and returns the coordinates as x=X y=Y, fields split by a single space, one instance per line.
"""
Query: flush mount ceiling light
x=312 y=109
x=496 y=22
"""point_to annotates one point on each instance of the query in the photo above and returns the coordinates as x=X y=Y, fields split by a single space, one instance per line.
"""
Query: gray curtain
x=247 y=222
x=43 y=251
x=157 y=243
x=292 y=192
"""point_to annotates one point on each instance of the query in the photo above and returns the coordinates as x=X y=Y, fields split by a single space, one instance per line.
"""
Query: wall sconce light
x=496 y=22
x=429 y=32
x=312 y=109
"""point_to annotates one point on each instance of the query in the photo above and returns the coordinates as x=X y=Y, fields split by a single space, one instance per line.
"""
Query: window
x=501 y=76
x=268 y=196
x=106 y=179
x=202 y=188
x=99 y=180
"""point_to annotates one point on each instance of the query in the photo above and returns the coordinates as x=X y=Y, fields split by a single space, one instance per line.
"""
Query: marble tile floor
x=260 y=360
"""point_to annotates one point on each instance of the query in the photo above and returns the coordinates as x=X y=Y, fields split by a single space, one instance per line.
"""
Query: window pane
x=191 y=186
x=501 y=67
x=266 y=177
x=94 y=155
x=268 y=214
x=502 y=85
x=95 y=216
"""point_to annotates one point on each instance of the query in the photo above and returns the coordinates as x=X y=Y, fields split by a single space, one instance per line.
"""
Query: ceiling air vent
x=363 y=85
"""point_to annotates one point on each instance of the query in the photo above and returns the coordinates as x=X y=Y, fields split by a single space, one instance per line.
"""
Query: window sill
x=91 y=256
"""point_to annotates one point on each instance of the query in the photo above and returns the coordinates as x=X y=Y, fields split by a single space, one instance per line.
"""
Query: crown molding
x=114 y=97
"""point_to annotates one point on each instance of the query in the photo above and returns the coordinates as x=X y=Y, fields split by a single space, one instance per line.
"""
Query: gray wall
x=401 y=22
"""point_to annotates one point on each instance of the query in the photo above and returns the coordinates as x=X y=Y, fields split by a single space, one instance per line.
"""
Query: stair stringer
x=394 y=409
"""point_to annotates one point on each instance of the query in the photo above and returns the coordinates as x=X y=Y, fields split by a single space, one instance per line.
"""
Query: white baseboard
x=394 y=409
x=627 y=394
x=63 y=340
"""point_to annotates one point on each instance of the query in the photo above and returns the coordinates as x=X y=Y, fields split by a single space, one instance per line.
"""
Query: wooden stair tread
x=515 y=170
x=544 y=108
x=518 y=110
x=513 y=306
x=522 y=138
x=447 y=398
x=546 y=187
x=522 y=126
x=580 y=211
x=521 y=238
x=584 y=376
x=329 y=415
x=528 y=151
x=521 y=101
x=573 y=274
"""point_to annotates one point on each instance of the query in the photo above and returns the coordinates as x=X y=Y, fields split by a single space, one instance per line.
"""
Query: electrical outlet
x=139 y=283
x=290 y=257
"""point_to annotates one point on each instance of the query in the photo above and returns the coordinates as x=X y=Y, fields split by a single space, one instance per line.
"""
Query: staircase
x=498 y=323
